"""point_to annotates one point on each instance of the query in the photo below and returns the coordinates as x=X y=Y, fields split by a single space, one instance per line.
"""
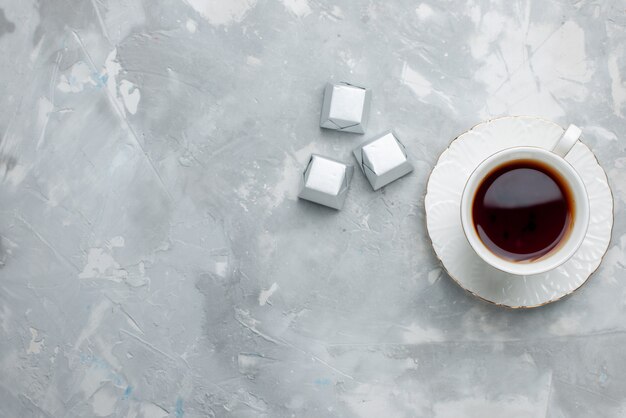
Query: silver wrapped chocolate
x=326 y=181
x=383 y=159
x=346 y=107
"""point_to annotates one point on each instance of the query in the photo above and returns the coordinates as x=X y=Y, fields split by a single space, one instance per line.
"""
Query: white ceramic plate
x=442 y=203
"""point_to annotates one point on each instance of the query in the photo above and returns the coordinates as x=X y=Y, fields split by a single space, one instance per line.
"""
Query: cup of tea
x=525 y=210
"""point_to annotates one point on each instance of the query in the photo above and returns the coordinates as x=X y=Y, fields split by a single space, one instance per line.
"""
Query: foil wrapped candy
x=326 y=181
x=383 y=159
x=346 y=107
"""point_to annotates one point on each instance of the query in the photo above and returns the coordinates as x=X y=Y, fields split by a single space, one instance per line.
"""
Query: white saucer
x=442 y=203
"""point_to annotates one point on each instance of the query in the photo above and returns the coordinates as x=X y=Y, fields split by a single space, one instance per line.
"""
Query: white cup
x=555 y=160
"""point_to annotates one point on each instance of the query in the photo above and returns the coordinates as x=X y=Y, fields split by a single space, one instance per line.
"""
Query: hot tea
x=522 y=210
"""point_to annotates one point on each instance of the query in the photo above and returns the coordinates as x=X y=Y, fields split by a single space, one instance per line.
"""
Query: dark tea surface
x=522 y=210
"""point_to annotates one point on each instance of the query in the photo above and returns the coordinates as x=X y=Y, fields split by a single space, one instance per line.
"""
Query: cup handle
x=567 y=141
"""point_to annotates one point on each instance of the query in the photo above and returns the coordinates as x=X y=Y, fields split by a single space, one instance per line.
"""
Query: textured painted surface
x=155 y=261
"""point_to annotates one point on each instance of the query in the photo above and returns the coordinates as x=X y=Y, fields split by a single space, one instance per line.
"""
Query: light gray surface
x=155 y=261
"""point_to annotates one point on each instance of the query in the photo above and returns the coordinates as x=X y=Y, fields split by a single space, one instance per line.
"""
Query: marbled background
x=156 y=262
